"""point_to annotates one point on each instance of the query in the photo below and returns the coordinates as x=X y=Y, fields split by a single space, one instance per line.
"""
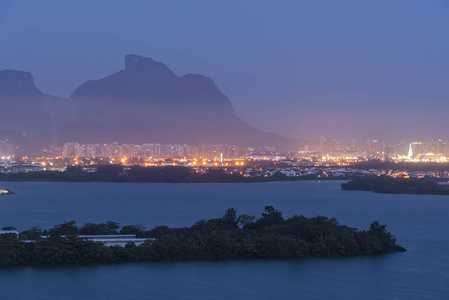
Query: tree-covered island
x=389 y=185
x=229 y=237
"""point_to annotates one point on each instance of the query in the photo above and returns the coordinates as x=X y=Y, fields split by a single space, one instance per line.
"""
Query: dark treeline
x=119 y=173
x=229 y=237
x=386 y=184
x=409 y=166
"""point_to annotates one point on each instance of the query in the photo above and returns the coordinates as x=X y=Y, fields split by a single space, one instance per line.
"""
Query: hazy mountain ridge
x=145 y=102
x=144 y=79
x=18 y=84
x=29 y=117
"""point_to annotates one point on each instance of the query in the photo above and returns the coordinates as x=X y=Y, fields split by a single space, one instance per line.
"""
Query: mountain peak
x=17 y=84
x=135 y=62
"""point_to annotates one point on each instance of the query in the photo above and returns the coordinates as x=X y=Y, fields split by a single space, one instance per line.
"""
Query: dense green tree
x=230 y=219
x=33 y=233
x=9 y=228
x=67 y=228
x=12 y=251
x=158 y=231
x=98 y=229
x=244 y=220
x=138 y=230
x=270 y=217
x=113 y=227
x=269 y=237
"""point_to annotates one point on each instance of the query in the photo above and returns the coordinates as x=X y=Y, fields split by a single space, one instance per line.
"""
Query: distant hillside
x=29 y=117
x=145 y=102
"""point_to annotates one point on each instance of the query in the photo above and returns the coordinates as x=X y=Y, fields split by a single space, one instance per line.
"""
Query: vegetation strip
x=229 y=237
x=389 y=185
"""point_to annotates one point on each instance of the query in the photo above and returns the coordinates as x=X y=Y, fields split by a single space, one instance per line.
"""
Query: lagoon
x=420 y=223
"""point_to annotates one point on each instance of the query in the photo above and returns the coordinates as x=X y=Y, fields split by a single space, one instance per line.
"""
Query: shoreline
x=397 y=186
x=231 y=237
x=202 y=180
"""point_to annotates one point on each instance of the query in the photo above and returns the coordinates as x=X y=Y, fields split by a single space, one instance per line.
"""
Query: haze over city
x=224 y=149
x=297 y=69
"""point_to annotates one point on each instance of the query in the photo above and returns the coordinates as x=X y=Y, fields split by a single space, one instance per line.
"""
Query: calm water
x=420 y=223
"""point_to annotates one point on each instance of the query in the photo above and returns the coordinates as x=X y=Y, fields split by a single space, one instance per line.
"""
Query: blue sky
x=349 y=69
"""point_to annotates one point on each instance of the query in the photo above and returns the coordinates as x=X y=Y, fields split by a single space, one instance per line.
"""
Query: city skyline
x=321 y=144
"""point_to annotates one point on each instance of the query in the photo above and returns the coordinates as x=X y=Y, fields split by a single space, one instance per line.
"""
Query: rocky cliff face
x=147 y=102
x=18 y=84
x=146 y=82
x=27 y=115
x=144 y=102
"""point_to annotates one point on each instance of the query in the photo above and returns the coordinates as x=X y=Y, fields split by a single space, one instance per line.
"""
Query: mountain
x=145 y=102
x=27 y=113
x=18 y=84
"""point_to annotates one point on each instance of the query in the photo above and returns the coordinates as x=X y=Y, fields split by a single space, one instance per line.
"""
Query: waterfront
x=420 y=223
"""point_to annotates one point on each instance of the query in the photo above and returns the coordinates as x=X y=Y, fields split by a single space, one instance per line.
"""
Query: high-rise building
x=71 y=150
x=410 y=152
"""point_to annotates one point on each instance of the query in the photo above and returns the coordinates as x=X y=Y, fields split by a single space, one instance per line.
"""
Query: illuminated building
x=71 y=150
x=410 y=152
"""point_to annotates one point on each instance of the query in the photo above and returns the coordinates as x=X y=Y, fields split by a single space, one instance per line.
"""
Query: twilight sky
x=347 y=69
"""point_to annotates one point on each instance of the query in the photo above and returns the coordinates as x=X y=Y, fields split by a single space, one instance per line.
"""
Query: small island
x=389 y=185
x=229 y=237
x=6 y=192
